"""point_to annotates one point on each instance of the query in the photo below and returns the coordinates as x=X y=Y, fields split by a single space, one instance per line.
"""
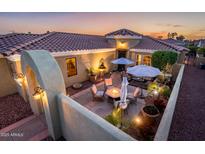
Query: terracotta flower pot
x=93 y=78
x=150 y=113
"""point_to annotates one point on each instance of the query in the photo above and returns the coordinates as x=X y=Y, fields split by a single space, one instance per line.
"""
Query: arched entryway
x=44 y=79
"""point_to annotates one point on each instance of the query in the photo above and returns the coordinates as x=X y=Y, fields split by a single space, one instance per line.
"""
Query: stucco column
x=142 y=58
x=47 y=74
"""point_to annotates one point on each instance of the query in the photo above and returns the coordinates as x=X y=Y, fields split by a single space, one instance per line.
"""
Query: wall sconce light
x=20 y=77
x=38 y=93
x=102 y=68
x=102 y=65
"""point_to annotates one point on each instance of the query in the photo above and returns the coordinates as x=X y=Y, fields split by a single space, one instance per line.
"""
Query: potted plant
x=150 y=113
x=92 y=73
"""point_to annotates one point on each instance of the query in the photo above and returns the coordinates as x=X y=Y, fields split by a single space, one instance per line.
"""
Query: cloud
x=202 y=30
x=178 y=25
x=171 y=25
x=157 y=34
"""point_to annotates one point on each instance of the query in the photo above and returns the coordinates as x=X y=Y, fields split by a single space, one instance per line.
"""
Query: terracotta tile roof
x=123 y=32
x=154 y=44
x=9 y=41
x=61 y=42
x=68 y=42
x=175 y=42
x=53 y=41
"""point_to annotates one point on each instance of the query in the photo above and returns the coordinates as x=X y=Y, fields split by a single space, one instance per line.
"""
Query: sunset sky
x=191 y=25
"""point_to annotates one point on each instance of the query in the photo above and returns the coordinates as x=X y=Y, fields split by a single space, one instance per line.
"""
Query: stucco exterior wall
x=84 y=62
x=128 y=43
x=7 y=83
x=78 y=123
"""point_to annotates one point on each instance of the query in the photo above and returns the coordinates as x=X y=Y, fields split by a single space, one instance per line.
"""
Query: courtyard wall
x=7 y=83
x=78 y=123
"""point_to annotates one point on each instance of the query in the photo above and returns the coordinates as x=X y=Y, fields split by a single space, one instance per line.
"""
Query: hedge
x=161 y=58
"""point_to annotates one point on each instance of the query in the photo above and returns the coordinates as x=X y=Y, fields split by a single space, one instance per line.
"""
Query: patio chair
x=97 y=94
x=133 y=96
x=108 y=83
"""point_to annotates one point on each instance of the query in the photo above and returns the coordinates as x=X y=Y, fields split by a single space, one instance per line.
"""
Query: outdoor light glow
x=155 y=92
x=114 y=91
x=122 y=45
x=19 y=77
x=138 y=120
x=20 y=80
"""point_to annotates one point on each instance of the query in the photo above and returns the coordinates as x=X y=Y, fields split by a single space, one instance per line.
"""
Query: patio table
x=113 y=92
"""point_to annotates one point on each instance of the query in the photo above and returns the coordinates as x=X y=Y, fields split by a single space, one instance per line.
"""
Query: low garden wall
x=165 y=123
x=7 y=83
x=199 y=60
x=78 y=123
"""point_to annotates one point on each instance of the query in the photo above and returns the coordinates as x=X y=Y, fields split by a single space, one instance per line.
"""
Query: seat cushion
x=100 y=93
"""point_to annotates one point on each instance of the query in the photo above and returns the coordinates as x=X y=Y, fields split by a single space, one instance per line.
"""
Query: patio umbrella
x=123 y=91
x=122 y=61
x=143 y=71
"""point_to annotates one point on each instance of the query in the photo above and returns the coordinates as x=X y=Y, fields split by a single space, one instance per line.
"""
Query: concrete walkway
x=189 y=117
x=32 y=128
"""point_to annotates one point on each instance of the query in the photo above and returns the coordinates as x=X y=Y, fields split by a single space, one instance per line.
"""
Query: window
x=147 y=60
x=138 y=59
x=71 y=66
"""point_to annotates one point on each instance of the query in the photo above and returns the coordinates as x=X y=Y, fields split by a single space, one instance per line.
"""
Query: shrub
x=165 y=91
x=193 y=49
x=201 y=51
x=152 y=86
x=91 y=71
x=115 y=118
x=161 y=58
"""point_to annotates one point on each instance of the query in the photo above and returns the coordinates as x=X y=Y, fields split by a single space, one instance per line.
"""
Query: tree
x=193 y=50
x=180 y=37
x=172 y=35
x=201 y=51
x=160 y=37
x=161 y=58
x=169 y=35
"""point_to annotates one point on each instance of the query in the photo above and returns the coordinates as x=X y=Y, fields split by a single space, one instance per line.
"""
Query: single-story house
x=201 y=43
x=175 y=42
x=75 y=53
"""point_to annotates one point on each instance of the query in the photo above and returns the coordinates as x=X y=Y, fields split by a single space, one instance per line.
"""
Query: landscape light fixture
x=155 y=92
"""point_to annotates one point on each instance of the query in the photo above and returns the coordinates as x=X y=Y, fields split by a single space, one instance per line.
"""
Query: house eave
x=81 y=52
x=15 y=57
x=123 y=37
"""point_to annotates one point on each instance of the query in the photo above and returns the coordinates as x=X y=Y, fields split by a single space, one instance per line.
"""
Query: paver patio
x=103 y=108
x=189 y=117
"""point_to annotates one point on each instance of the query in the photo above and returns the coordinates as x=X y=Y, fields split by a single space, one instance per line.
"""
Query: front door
x=121 y=54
